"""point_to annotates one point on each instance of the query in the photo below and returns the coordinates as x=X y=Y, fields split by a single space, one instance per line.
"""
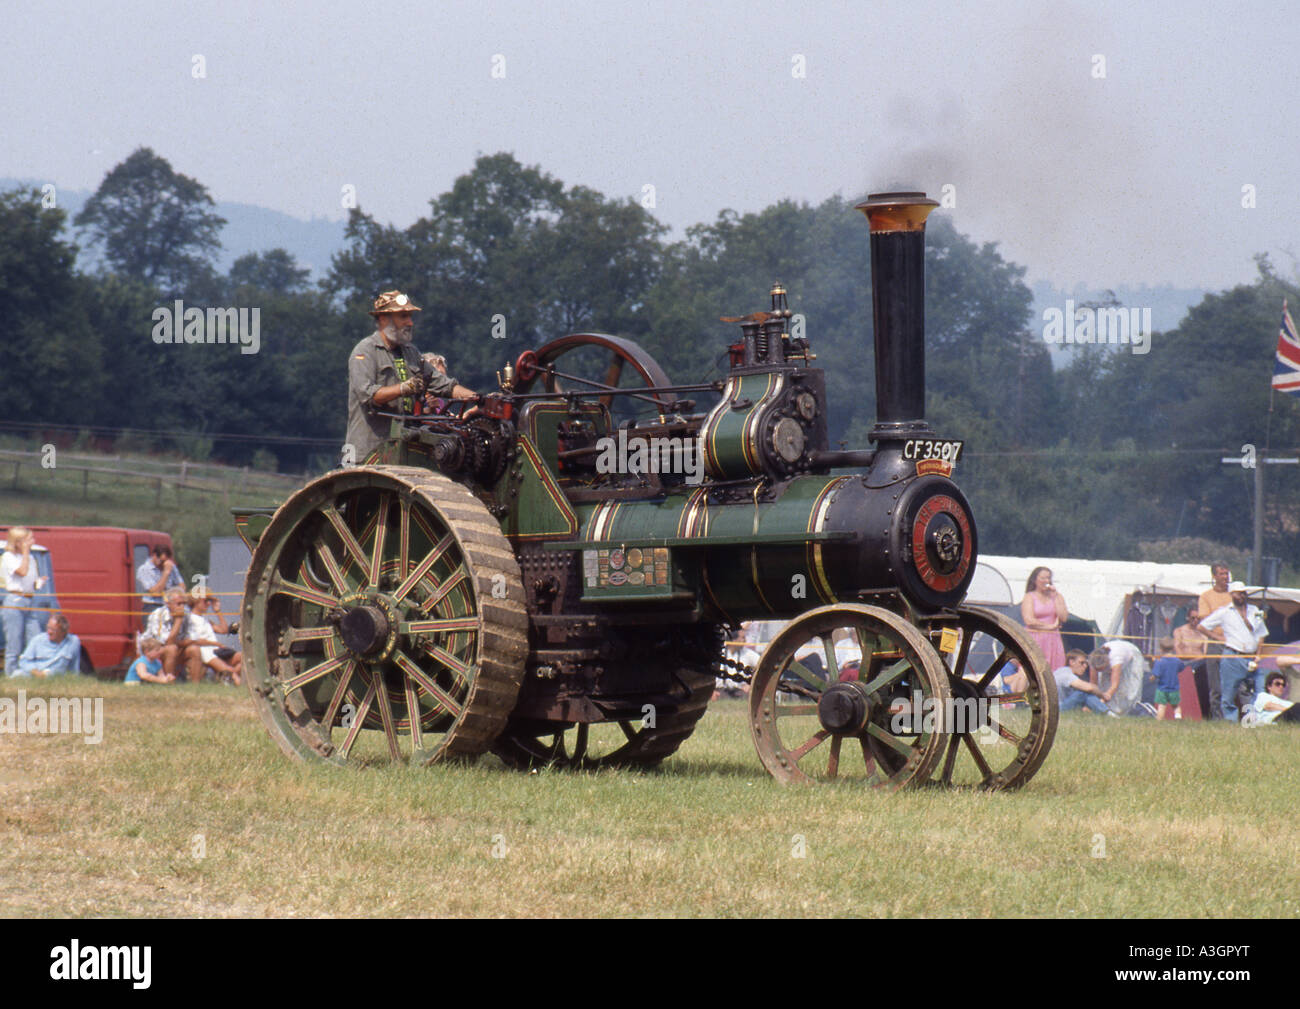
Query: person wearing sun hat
x=1243 y=632
x=386 y=373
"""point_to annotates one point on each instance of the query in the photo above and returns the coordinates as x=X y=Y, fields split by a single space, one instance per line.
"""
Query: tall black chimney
x=898 y=310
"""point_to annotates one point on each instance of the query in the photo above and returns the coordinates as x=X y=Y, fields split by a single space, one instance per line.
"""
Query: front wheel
x=1004 y=693
x=850 y=693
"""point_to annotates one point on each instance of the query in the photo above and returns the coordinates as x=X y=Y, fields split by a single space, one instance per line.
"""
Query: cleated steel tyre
x=383 y=620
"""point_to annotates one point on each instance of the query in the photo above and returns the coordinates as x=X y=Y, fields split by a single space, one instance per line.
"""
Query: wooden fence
x=183 y=475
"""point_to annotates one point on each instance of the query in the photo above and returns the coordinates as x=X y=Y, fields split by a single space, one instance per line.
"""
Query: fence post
x=16 y=465
x=157 y=498
x=85 y=483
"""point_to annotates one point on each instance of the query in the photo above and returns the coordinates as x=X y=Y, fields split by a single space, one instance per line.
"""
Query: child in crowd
x=148 y=668
x=1165 y=672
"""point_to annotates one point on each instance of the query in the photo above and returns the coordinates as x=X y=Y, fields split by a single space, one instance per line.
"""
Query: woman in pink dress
x=1043 y=611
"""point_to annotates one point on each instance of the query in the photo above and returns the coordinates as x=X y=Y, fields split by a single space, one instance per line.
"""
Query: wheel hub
x=844 y=708
x=964 y=690
x=364 y=629
x=943 y=541
x=368 y=626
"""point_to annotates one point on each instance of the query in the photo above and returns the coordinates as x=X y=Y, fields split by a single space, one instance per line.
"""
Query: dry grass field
x=186 y=808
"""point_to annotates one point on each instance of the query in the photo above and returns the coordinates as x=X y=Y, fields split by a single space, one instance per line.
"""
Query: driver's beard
x=400 y=337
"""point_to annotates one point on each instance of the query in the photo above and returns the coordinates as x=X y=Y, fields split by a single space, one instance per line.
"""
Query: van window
x=141 y=554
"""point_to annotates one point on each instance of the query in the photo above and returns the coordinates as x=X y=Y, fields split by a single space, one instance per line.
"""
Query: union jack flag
x=1286 y=367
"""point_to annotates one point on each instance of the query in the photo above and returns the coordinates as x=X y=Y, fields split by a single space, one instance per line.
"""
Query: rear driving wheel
x=383 y=620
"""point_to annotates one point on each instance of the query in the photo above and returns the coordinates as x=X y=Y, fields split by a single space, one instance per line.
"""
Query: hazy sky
x=1128 y=178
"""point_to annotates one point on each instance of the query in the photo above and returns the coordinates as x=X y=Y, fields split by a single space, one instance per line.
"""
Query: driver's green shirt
x=371 y=366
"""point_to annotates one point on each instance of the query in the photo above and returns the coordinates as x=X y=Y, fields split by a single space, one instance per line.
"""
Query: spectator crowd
x=179 y=630
x=1218 y=643
x=1214 y=646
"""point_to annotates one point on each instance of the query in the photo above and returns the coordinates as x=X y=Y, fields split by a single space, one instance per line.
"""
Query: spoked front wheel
x=1004 y=699
x=850 y=693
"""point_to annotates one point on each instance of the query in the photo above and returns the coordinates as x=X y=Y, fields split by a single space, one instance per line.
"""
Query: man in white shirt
x=182 y=635
x=1271 y=706
x=222 y=661
x=1124 y=669
x=1243 y=631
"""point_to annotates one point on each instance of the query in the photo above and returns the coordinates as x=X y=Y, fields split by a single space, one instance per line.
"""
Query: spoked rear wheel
x=849 y=693
x=1004 y=728
x=634 y=743
x=683 y=664
x=383 y=620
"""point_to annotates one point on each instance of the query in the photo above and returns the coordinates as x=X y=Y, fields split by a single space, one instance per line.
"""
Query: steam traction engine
x=494 y=583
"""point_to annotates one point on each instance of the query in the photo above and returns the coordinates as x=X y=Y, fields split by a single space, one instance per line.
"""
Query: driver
x=385 y=372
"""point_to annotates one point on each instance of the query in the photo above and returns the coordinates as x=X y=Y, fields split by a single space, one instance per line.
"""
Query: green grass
x=57 y=497
x=1197 y=820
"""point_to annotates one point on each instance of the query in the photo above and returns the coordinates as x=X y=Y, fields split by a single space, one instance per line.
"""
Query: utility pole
x=1248 y=460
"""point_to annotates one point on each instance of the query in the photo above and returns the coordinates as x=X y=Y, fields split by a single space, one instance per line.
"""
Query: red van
x=94 y=580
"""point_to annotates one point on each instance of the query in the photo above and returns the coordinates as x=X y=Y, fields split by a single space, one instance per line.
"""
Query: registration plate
x=932 y=448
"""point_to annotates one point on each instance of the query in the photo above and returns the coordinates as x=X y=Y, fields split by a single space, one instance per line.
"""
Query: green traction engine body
x=612 y=537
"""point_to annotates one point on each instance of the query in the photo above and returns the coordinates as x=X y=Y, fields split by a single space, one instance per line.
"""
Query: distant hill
x=248 y=229
x=1168 y=304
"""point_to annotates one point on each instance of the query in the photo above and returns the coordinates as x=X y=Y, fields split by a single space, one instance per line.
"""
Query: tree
x=52 y=352
x=275 y=271
x=728 y=267
x=152 y=222
x=976 y=312
x=506 y=260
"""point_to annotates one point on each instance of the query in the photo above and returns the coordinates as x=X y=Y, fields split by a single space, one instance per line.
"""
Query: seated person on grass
x=1269 y=705
x=53 y=652
x=148 y=668
x=225 y=662
x=1074 y=690
x=1165 y=672
x=180 y=633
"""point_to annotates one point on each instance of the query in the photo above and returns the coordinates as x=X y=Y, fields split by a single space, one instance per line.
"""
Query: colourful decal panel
x=609 y=572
